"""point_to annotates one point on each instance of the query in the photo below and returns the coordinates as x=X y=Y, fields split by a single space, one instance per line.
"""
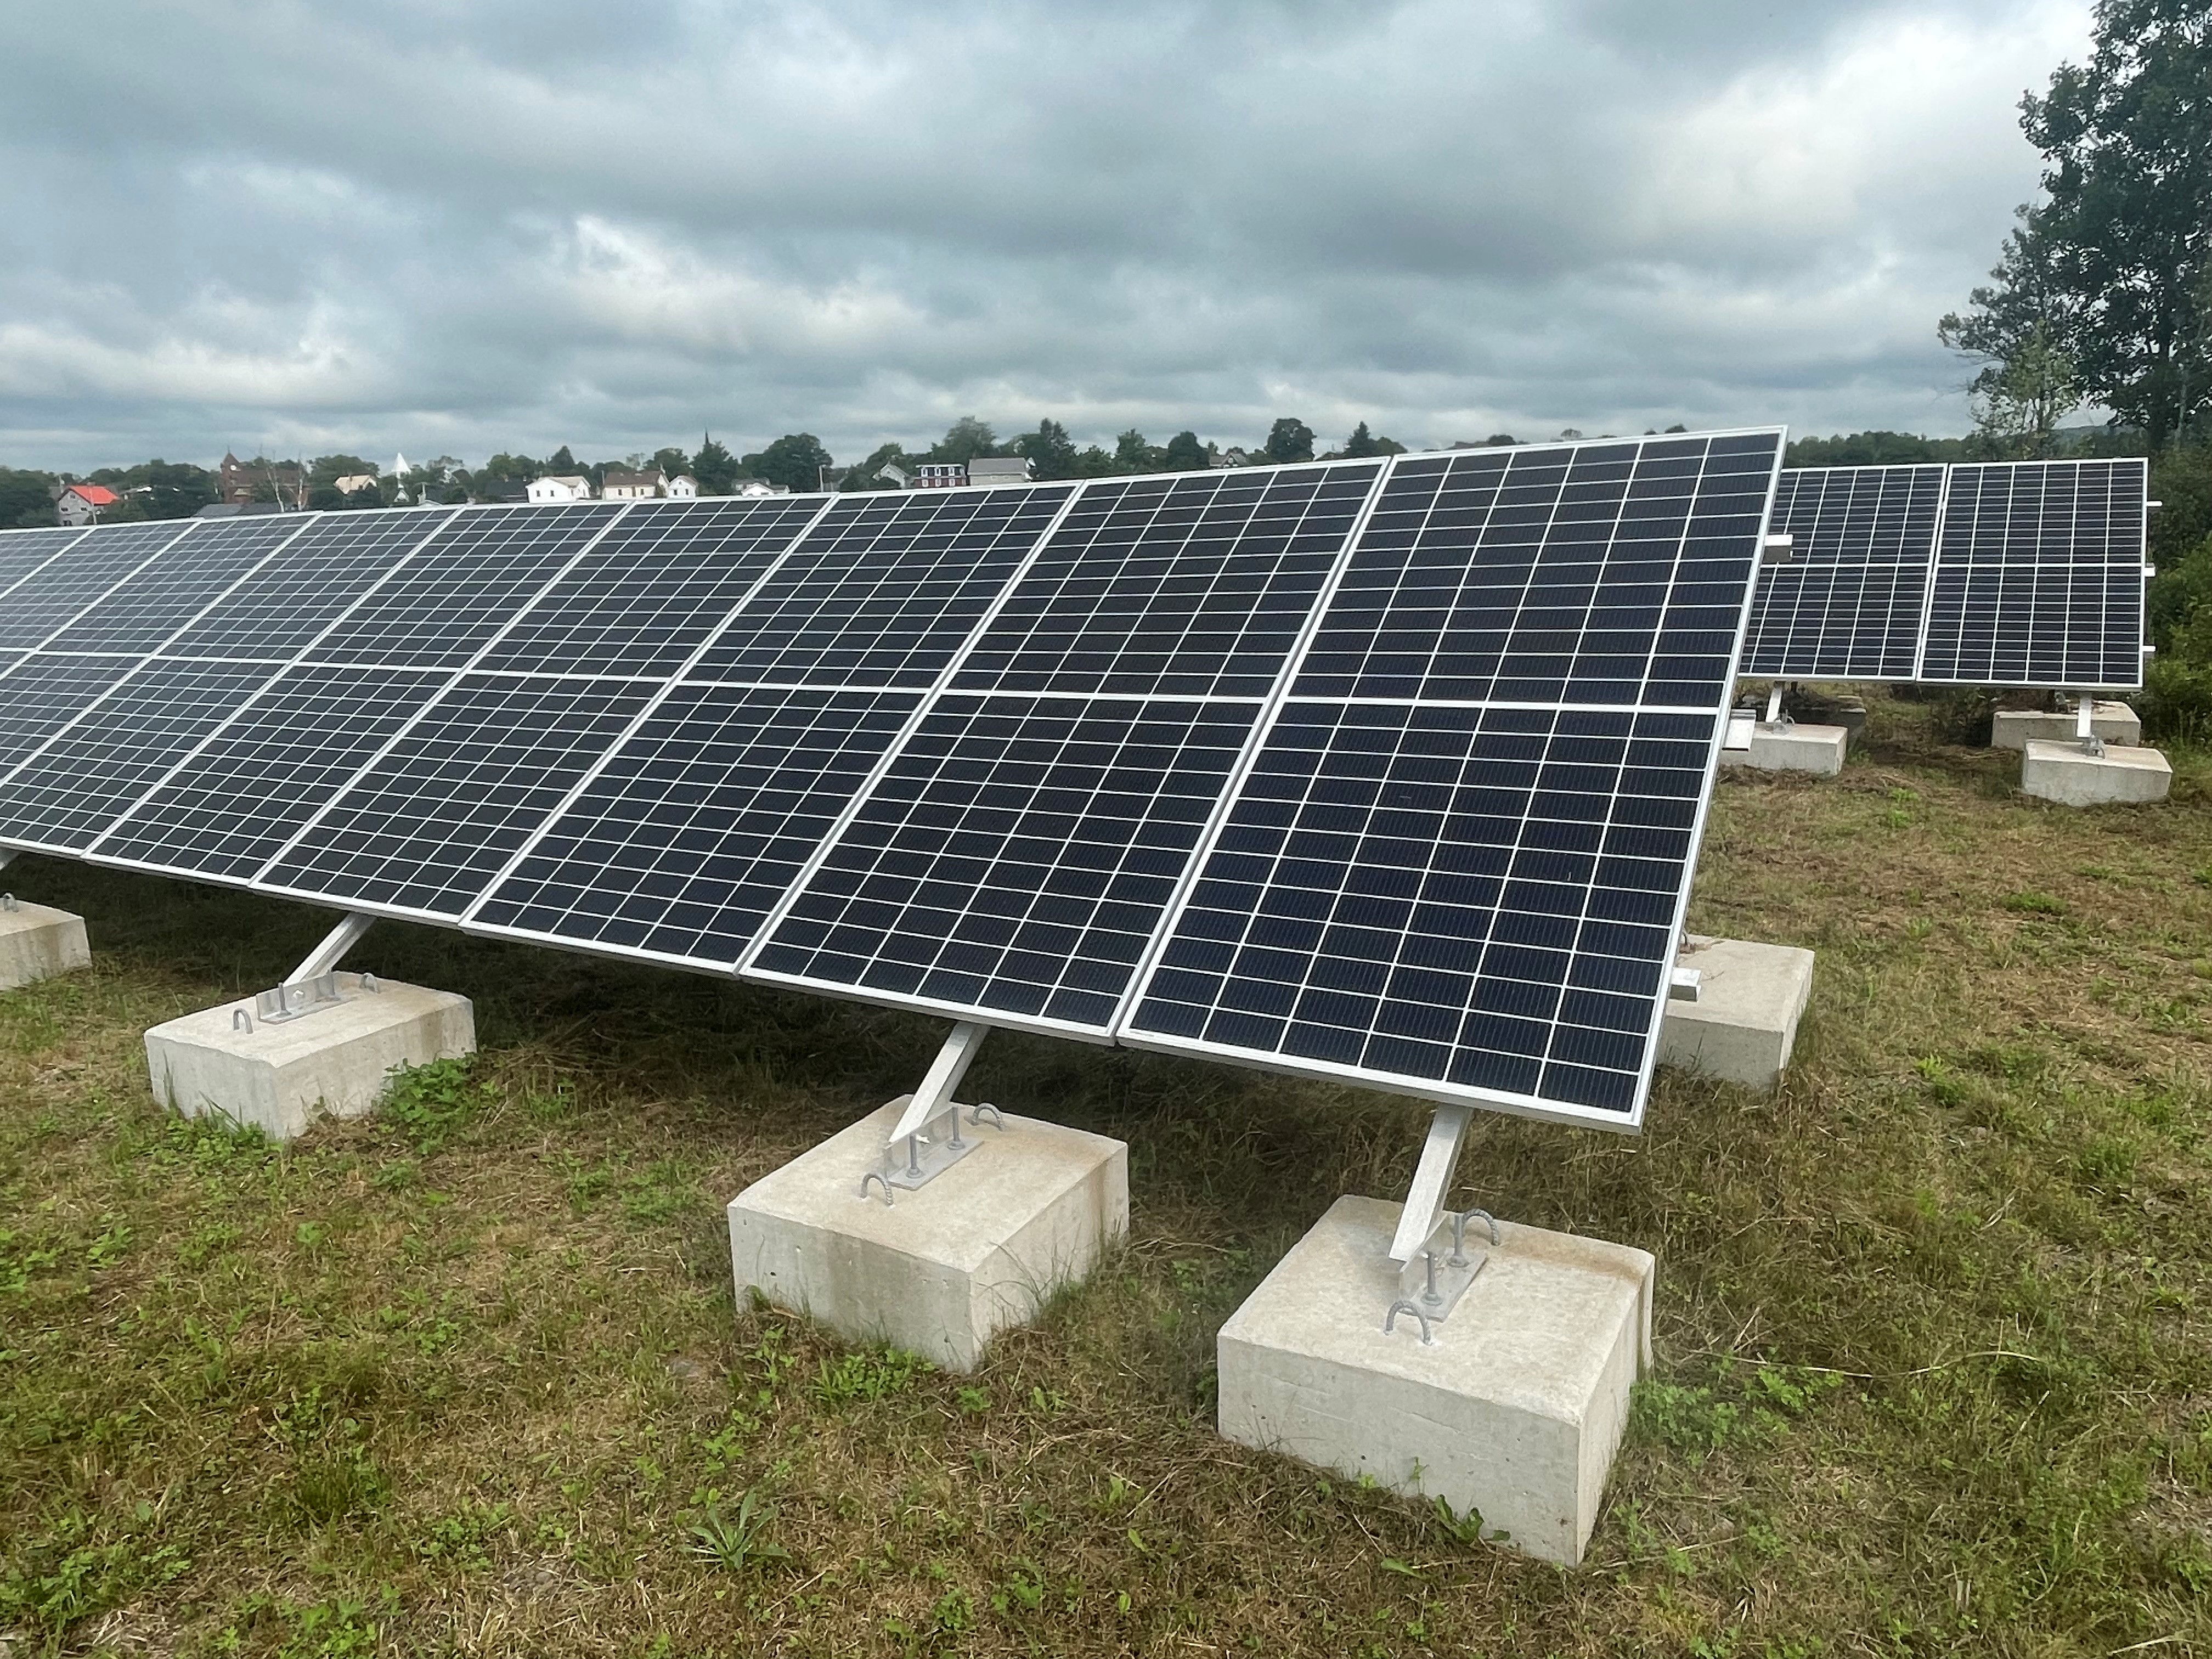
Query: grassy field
x=1934 y=1372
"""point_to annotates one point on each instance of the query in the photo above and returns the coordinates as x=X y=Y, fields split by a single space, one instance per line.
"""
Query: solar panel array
x=1388 y=770
x=2023 y=573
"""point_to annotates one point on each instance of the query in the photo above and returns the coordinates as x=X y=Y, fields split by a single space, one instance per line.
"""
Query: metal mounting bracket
x=926 y=1140
x=313 y=985
x=1741 y=726
x=1445 y=1266
x=2085 y=726
x=6 y=856
x=1775 y=717
x=1779 y=547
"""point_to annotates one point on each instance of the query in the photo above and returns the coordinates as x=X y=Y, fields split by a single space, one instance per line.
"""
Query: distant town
x=969 y=453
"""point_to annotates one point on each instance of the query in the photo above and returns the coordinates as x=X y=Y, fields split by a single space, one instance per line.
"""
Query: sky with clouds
x=459 y=226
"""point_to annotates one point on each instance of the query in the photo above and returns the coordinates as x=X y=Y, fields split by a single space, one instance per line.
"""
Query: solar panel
x=2039 y=576
x=45 y=601
x=143 y=609
x=655 y=587
x=885 y=590
x=1007 y=829
x=450 y=600
x=683 y=843
x=1458 y=866
x=305 y=585
x=72 y=790
x=1847 y=605
x=1191 y=584
x=434 y=817
x=227 y=809
x=1015 y=858
x=22 y=551
x=41 y=695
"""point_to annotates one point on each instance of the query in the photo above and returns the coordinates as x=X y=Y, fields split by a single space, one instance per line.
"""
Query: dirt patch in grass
x=1933 y=1367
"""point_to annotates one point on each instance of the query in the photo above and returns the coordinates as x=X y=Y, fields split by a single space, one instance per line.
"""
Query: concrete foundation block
x=1815 y=749
x=2015 y=728
x=943 y=1268
x=1515 y=1411
x=1744 y=1023
x=37 y=943
x=280 y=1074
x=2069 y=774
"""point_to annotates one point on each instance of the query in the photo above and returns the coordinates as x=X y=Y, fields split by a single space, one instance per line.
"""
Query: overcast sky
x=459 y=226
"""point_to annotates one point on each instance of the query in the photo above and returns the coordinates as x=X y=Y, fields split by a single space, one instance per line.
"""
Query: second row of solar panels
x=2019 y=574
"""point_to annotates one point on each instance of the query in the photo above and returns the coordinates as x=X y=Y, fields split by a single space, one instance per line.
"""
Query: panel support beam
x=1432 y=1180
x=935 y=1093
x=2085 y=728
x=326 y=955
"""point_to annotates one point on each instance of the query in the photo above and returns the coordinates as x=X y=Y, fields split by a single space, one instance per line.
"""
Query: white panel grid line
x=651 y=707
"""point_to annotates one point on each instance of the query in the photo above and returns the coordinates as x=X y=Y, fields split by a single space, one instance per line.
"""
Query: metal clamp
x=1390 y=1322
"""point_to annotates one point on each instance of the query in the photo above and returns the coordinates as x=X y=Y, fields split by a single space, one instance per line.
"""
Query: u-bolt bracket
x=876 y=1175
x=1390 y=1322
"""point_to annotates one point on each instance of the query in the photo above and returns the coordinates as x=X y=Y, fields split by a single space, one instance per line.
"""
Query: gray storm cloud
x=457 y=227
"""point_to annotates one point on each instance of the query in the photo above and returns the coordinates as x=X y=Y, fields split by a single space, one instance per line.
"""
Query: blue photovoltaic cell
x=1193 y=585
x=307 y=583
x=885 y=590
x=682 y=845
x=641 y=601
x=41 y=695
x=1609 y=573
x=1016 y=857
x=439 y=610
x=2039 y=576
x=226 y=811
x=1847 y=603
x=161 y=597
x=92 y=772
x=435 y=818
x=1452 y=870
x=1477 y=897
x=46 y=600
x=22 y=551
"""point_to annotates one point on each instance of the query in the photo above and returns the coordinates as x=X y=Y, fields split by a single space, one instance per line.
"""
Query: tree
x=1184 y=453
x=795 y=460
x=511 y=469
x=1362 y=442
x=715 y=467
x=1290 y=440
x=672 y=461
x=561 y=461
x=2026 y=383
x=26 y=499
x=1871 y=449
x=2128 y=226
x=1133 y=453
x=863 y=477
x=1049 y=449
x=964 y=440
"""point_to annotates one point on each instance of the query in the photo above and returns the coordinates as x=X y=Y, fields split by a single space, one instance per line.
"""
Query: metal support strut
x=1436 y=1264
x=1774 y=715
x=2085 y=726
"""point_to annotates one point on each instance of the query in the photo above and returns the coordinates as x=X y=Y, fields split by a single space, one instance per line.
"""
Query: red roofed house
x=83 y=503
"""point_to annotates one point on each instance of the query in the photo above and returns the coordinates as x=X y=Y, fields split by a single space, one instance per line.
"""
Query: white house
x=1001 y=470
x=938 y=475
x=354 y=481
x=617 y=485
x=683 y=487
x=83 y=503
x=552 y=490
